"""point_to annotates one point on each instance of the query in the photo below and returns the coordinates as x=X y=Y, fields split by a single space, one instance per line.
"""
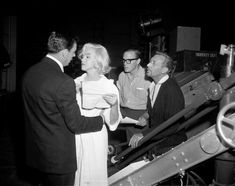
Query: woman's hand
x=110 y=99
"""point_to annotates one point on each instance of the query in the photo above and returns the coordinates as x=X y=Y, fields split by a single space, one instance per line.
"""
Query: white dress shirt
x=154 y=88
x=57 y=61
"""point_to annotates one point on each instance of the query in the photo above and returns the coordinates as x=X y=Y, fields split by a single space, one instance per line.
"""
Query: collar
x=161 y=81
x=57 y=61
x=138 y=73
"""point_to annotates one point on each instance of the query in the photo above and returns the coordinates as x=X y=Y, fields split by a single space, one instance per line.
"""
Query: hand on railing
x=135 y=140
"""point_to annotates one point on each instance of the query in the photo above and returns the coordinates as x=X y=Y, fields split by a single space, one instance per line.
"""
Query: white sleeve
x=106 y=113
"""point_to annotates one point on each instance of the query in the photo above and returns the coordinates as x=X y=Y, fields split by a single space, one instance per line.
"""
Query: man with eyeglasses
x=133 y=88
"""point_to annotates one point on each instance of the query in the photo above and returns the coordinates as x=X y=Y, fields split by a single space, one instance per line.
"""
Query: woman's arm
x=114 y=111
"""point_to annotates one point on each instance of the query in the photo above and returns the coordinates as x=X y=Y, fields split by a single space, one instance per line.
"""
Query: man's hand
x=78 y=87
x=110 y=99
x=142 y=121
x=102 y=115
x=135 y=140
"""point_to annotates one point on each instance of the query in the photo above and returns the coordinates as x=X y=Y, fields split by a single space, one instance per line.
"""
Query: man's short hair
x=168 y=61
x=58 y=41
x=136 y=51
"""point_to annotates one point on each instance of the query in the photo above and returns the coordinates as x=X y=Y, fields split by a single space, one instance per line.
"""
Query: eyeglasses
x=128 y=61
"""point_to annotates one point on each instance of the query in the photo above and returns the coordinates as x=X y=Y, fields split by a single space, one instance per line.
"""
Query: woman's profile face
x=88 y=59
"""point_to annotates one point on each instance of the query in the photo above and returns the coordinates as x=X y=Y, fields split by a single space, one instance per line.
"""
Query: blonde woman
x=95 y=93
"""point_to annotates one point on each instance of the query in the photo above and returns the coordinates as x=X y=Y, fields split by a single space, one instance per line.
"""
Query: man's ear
x=64 y=53
x=165 y=70
x=138 y=61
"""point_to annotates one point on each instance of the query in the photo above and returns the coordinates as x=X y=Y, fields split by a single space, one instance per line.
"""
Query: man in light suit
x=52 y=115
x=133 y=88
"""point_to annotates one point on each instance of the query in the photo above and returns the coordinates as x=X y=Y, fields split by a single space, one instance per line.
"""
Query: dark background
x=115 y=24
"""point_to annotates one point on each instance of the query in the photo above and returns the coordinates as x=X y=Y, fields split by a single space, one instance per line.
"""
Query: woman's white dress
x=92 y=148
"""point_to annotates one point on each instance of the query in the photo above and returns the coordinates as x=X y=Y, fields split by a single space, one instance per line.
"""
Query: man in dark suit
x=165 y=99
x=52 y=115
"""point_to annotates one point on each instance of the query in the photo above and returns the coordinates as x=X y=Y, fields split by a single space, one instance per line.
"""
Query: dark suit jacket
x=169 y=101
x=52 y=116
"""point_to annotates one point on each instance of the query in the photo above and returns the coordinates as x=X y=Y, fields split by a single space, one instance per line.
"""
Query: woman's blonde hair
x=101 y=56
